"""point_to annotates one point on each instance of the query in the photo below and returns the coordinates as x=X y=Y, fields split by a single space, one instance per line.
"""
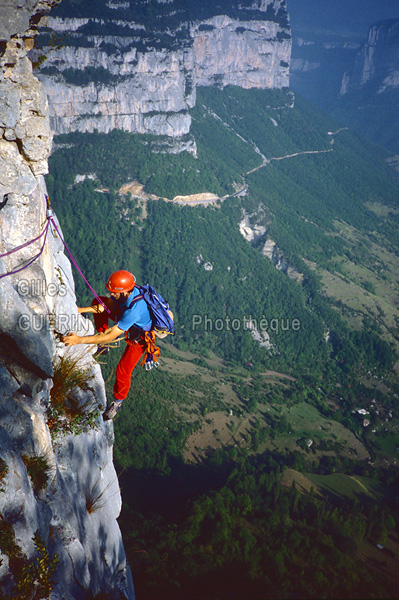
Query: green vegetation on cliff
x=149 y=12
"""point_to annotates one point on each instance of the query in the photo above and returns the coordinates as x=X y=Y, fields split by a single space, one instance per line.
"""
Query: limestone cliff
x=75 y=505
x=369 y=90
x=135 y=66
x=377 y=61
x=248 y=54
x=254 y=228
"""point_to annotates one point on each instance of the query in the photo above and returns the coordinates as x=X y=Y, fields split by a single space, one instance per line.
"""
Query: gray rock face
x=75 y=511
x=150 y=96
x=247 y=54
x=140 y=74
x=254 y=227
x=377 y=61
x=273 y=253
x=16 y=15
x=23 y=119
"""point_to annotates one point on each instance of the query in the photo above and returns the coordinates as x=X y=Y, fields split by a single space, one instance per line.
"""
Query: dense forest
x=251 y=537
x=228 y=527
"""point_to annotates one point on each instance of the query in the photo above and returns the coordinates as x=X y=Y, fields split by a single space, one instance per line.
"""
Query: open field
x=384 y=560
x=224 y=419
x=365 y=281
x=218 y=430
x=347 y=486
x=308 y=424
x=337 y=485
x=381 y=210
x=221 y=429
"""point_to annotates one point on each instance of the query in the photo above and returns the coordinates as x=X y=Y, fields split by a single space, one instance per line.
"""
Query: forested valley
x=251 y=513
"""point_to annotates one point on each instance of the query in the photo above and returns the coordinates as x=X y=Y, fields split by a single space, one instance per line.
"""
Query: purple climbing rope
x=44 y=232
x=32 y=260
x=26 y=244
x=50 y=218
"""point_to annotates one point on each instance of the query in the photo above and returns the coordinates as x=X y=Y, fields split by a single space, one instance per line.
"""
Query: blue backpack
x=161 y=315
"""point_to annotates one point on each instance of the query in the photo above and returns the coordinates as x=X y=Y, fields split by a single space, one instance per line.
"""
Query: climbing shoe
x=112 y=410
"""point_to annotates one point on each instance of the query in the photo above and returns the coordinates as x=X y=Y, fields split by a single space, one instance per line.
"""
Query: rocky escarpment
x=377 y=61
x=118 y=87
x=318 y=65
x=369 y=91
x=254 y=228
x=136 y=66
x=355 y=78
x=248 y=54
x=59 y=486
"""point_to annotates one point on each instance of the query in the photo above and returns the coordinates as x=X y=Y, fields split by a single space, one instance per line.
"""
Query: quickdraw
x=151 y=352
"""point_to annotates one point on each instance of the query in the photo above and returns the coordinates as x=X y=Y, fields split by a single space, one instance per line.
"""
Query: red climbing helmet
x=120 y=281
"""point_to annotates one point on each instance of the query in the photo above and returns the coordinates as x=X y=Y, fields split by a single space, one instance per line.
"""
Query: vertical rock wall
x=377 y=62
x=136 y=67
x=36 y=304
x=248 y=54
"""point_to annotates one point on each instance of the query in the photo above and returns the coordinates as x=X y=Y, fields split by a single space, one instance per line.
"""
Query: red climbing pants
x=131 y=356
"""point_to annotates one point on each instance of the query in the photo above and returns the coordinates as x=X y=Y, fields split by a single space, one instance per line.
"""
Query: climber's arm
x=96 y=308
x=71 y=339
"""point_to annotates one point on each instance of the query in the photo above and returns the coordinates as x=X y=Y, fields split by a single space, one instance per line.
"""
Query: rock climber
x=132 y=320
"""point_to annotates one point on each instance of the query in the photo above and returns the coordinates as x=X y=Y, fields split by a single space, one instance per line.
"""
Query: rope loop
x=49 y=219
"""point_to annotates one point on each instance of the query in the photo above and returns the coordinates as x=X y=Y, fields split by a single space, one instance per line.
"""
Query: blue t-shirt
x=138 y=314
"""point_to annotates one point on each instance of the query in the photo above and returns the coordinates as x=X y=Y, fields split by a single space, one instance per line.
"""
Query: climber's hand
x=70 y=339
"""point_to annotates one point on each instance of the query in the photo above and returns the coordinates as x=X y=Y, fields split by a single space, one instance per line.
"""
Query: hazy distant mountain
x=345 y=59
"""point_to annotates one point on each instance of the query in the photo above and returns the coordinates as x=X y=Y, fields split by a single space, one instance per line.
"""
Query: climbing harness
x=151 y=352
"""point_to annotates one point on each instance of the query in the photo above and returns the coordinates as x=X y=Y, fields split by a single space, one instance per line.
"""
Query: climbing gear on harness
x=120 y=281
x=151 y=351
x=112 y=410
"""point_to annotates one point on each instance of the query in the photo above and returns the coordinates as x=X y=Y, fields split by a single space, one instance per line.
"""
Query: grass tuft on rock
x=68 y=412
x=38 y=470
